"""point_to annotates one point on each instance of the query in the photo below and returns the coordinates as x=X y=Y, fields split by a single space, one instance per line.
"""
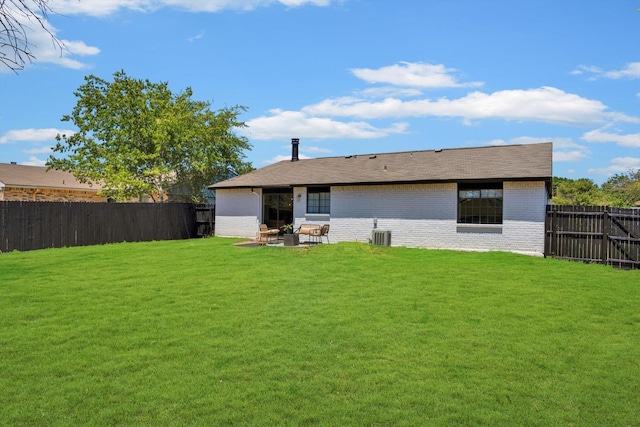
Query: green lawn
x=204 y=332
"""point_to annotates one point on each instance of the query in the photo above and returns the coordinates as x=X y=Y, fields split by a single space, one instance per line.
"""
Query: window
x=480 y=203
x=318 y=200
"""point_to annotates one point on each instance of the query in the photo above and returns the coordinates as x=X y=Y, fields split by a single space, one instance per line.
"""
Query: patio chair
x=324 y=232
x=267 y=235
x=316 y=234
x=311 y=230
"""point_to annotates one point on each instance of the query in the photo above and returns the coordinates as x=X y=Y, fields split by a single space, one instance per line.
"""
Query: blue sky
x=357 y=76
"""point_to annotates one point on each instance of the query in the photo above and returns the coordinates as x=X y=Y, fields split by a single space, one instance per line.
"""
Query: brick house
x=483 y=198
x=36 y=183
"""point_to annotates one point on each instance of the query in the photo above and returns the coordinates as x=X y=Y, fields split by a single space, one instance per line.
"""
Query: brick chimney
x=294 y=149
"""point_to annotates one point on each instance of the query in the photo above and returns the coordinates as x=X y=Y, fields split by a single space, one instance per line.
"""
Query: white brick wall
x=419 y=215
x=524 y=216
x=407 y=210
x=238 y=212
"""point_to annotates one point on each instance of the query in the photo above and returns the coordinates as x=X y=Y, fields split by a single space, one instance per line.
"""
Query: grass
x=203 y=332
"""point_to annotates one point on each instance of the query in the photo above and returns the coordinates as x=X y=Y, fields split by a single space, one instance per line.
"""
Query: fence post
x=553 y=223
x=605 y=236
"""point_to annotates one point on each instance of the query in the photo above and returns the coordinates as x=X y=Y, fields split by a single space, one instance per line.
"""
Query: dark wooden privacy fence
x=37 y=225
x=598 y=234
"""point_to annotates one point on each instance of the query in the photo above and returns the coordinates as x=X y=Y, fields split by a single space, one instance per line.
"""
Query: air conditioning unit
x=381 y=237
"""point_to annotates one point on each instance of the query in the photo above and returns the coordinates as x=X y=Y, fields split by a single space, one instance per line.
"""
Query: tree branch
x=15 y=17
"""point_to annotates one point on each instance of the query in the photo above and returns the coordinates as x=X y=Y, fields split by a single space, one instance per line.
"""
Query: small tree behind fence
x=38 y=225
x=598 y=234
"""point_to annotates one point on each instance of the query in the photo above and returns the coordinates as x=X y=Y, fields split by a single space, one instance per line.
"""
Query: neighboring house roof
x=514 y=162
x=12 y=175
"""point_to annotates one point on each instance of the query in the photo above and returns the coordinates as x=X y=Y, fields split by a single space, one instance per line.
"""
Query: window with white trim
x=318 y=200
x=480 y=203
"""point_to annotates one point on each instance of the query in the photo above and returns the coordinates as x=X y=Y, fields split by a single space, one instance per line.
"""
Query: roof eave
x=396 y=182
x=50 y=187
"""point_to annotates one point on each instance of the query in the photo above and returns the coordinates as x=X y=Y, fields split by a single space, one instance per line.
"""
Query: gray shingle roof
x=515 y=162
x=39 y=177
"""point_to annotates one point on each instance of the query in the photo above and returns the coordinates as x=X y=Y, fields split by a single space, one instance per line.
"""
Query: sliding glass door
x=277 y=207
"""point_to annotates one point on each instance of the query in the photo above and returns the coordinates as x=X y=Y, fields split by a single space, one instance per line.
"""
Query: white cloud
x=598 y=135
x=198 y=36
x=630 y=71
x=519 y=140
x=33 y=135
x=545 y=104
x=40 y=150
x=46 y=52
x=99 y=8
x=315 y=150
x=283 y=124
x=618 y=165
x=497 y=142
x=246 y=5
x=34 y=161
x=564 y=149
x=565 y=143
x=103 y=8
x=298 y=3
x=282 y=157
x=569 y=156
x=582 y=69
x=388 y=91
x=416 y=74
x=308 y=149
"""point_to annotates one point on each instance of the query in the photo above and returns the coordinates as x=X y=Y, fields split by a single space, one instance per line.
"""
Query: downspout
x=258 y=212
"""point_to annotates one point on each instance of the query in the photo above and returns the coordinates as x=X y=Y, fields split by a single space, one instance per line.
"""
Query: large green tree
x=581 y=191
x=623 y=190
x=136 y=138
